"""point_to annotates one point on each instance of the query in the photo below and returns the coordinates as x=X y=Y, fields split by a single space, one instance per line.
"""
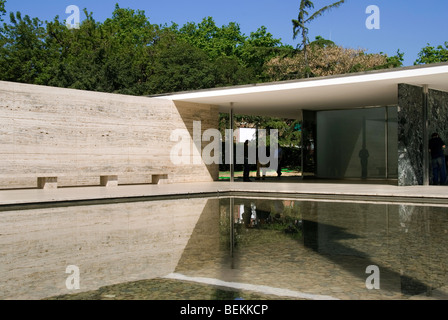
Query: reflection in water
x=324 y=248
x=109 y=243
x=288 y=247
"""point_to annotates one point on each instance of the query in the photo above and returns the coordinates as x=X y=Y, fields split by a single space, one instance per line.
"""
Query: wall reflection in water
x=110 y=243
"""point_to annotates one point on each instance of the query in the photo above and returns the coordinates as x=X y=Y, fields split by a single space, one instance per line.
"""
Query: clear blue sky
x=408 y=25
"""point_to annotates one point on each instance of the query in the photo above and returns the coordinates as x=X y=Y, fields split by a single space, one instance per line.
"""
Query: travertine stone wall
x=79 y=135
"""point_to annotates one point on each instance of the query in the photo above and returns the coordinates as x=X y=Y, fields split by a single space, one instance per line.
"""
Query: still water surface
x=221 y=248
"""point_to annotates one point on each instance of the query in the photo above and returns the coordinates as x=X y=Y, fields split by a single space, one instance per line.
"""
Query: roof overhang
x=284 y=99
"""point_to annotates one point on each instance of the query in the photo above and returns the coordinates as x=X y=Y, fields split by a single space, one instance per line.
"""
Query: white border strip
x=346 y=79
x=250 y=287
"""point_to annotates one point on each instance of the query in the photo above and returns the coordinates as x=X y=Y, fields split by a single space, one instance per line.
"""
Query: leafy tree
x=322 y=43
x=230 y=71
x=127 y=39
x=430 y=54
x=2 y=9
x=259 y=48
x=304 y=18
x=215 y=41
x=176 y=65
x=112 y=56
x=127 y=54
x=22 y=51
x=232 y=50
x=326 y=58
x=82 y=56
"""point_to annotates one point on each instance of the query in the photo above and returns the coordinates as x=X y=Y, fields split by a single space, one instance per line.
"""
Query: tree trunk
x=305 y=52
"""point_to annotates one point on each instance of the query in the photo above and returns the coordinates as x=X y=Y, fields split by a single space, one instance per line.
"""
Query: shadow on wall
x=197 y=119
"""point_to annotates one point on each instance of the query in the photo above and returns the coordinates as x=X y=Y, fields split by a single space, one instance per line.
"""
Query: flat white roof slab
x=367 y=89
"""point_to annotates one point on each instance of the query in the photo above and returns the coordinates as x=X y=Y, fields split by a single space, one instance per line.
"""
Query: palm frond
x=305 y=4
x=298 y=27
x=299 y=23
x=321 y=11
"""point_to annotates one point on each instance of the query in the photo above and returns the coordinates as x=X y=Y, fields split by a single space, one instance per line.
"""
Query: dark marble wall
x=438 y=113
x=410 y=135
x=438 y=116
x=411 y=126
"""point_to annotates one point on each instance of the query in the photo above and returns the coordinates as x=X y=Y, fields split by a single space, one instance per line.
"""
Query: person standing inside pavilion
x=436 y=148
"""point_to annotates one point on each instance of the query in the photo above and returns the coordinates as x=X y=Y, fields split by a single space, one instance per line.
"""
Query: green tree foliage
x=178 y=66
x=78 y=56
x=236 y=55
x=304 y=18
x=430 y=54
x=22 y=52
x=2 y=9
x=259 y=48
x=127 y=54
x=215 y=41
x=112 y=56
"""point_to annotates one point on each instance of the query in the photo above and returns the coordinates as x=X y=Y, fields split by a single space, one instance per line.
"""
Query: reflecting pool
x=225 y=247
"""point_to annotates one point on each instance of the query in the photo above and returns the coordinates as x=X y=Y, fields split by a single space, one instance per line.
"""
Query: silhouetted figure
x=436 y=147
x=364 y=156
x=246 y=170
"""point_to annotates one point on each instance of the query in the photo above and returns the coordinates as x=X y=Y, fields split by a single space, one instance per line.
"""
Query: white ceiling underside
x=284 y=99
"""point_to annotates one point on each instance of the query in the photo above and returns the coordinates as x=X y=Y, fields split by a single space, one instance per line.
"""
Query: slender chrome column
x=232 y=168
x=232 y=227
x=425 y=136
x=386 y=128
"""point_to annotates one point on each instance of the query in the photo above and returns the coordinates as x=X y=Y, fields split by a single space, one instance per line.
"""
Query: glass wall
x=392 y=142
x=357 y=143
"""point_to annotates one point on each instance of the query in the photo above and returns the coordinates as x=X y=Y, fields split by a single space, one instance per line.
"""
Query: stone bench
x=106 y=180
x=159 y=178
x=109 y=180
x=47 y=182
x=112 y=180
